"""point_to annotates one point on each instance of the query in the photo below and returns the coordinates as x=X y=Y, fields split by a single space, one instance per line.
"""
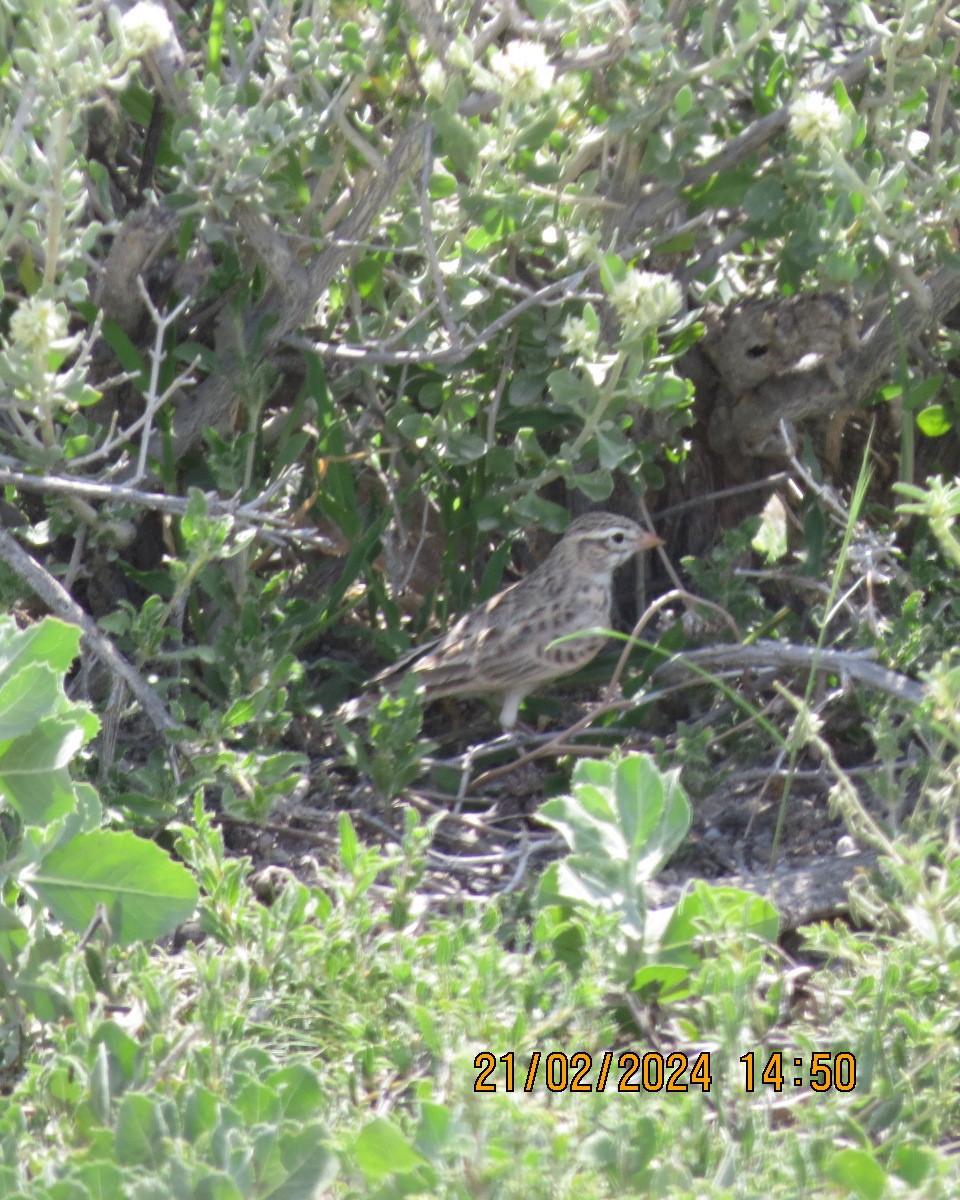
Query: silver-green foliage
x=55 y=859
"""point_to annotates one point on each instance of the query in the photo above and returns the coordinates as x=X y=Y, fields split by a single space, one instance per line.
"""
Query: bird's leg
x=511 y=707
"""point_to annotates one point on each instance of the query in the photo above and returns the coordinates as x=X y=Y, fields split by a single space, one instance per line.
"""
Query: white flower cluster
x=523 y=70
x=38 y=324
x=146 y=26
x=579 y=337
x=816 y=118
x=434 y=79
x=645 y=299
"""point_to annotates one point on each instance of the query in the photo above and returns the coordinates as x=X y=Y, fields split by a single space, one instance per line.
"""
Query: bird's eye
x=618 y=538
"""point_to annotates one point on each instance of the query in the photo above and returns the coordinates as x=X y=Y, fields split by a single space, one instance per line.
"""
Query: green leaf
x=367 y=275
x=9 y=921
x=568 y=389
x=33 y=768
x=525 y=388
x=239 y=713
x=382 y=1149
x=307 y=1165
x=725 y=190
x=814 y=537
x=678 y=950
x=726 y=906
x=622 y=822
x=920 y=392
x=668 y=980
x=127 y=354
x=140 y=1138
x=28 y=274
x=193 y=352
x=458 y=142
x=914 y=1163
x=349 y=843
x=595 y=485
x=665 y=390
x=337 y=493
x=858 y=1173
x=612 y=447
x=144 y=893
x=102 y=1179
x=770 y=539
x=683 y=101
x=137 y=103
x=300 y=1089
x=51 y=641
x=462 y=446
x=934 y=421
x=255 y=1101
x=435 y=1129
x=534 y=510
x=218 y=12
x=765 y=202
x=492 y=576
x=28 y=696
x=536 y=133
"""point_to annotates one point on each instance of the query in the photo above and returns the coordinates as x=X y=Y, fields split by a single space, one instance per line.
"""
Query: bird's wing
x=407 y=659
x=469 y=658
x=531 y=654
x=502 y=645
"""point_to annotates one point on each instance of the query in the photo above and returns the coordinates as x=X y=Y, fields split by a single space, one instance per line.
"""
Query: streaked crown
x=600 y=542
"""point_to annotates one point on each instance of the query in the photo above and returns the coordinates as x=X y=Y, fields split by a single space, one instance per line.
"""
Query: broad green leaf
x=140 y=1138
x=457 y=140
x=216 y=1185
x=144 y=893
x=27 y=696
x=33 y=768
x=665 y=390
x=683 y=100
x=569 y=389
x=435 y=1128
x=915 y=1163
x=922 y=391
x=102 y=1179
x=200 y=1113
x=51 y=641
x=308 y=1165
x=668 y=980
x=255 y=1101
x=442 y=183
x=612 y=447
x=382 y=1149
x=596 y=485
x=9 y=921
x=538 y=131
x=300 y=1089
x=622 y=822
x=729 y=906
x=934 y=421
x=857 y=1173
x=765 y=202
x=534 y=510
x=367 y=275
x=239 y=713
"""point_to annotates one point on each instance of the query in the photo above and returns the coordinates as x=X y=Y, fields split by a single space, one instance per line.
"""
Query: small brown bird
x=510 y=644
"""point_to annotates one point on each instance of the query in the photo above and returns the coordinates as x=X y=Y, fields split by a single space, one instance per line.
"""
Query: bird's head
x=600 y=542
